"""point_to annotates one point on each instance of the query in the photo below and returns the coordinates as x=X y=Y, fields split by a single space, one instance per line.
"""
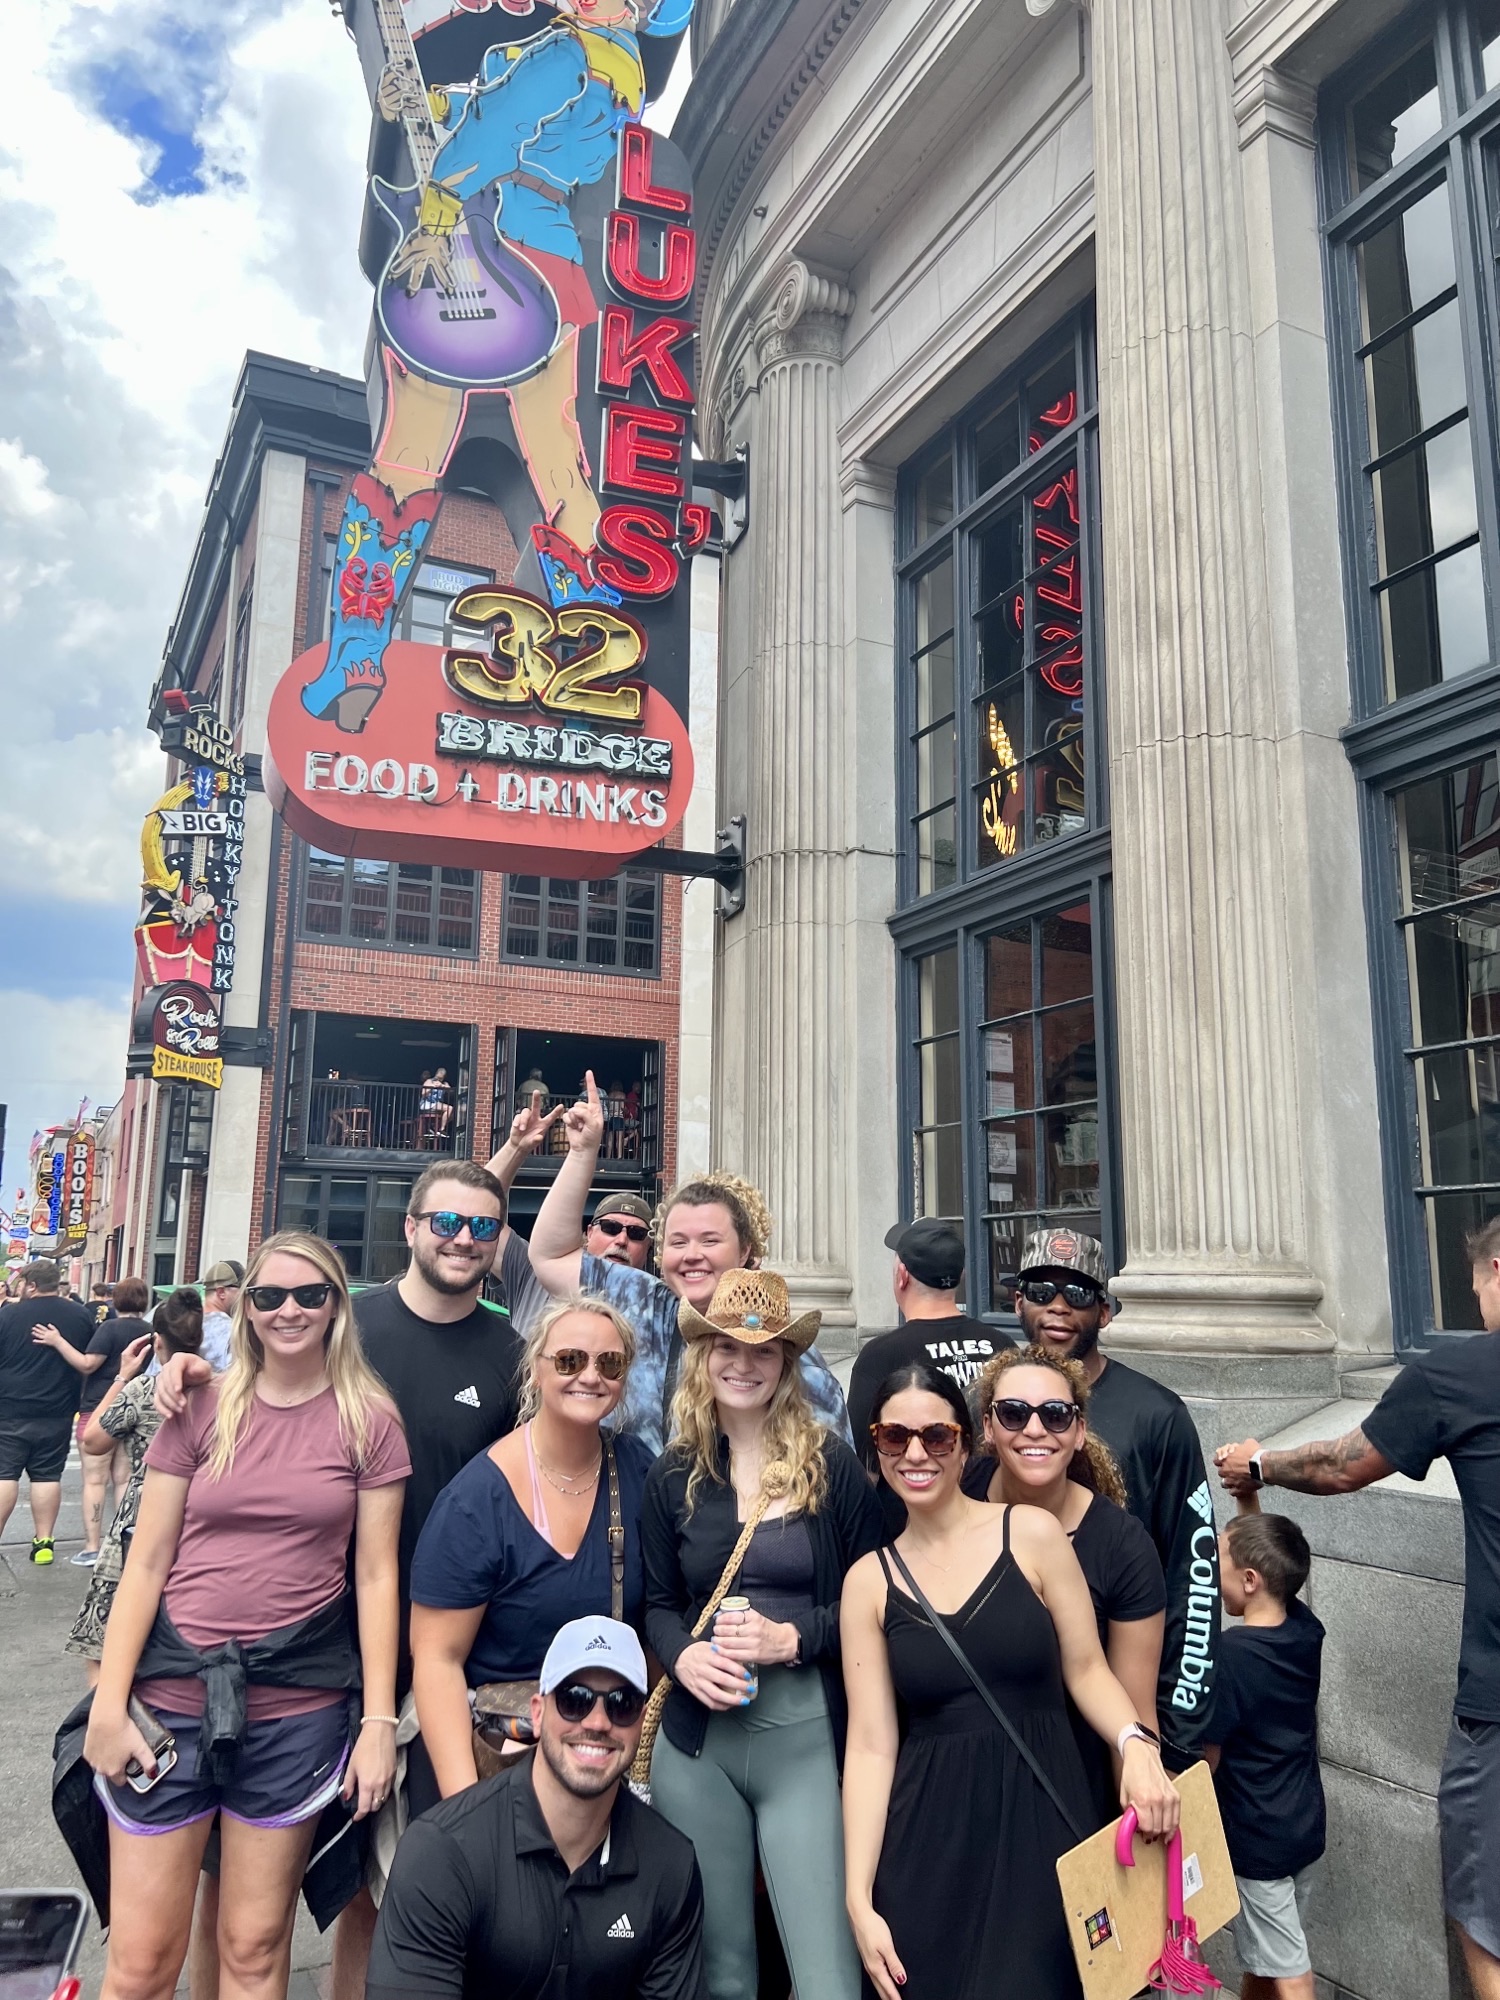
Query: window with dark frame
x=390 y=905
x=239 y=673
x=1005 y=869
x=1410 y=154
x=609 y=926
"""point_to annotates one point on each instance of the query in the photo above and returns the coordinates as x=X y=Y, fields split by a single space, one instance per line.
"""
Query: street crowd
x=586 y=1639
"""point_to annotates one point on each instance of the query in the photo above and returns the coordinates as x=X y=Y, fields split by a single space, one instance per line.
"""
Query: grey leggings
x=767 y=1776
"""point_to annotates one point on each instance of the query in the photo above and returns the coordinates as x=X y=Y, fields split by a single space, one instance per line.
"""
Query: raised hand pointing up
x=584 y=1121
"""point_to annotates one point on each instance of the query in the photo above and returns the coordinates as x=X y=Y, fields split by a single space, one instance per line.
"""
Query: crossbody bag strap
x=616 y=1537
x=941 y=1628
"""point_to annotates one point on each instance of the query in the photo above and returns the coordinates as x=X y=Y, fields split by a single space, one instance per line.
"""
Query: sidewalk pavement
x=39 y=1683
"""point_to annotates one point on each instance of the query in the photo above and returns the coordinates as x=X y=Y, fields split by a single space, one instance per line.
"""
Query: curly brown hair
x=746 y=1206
x=1095 y=1466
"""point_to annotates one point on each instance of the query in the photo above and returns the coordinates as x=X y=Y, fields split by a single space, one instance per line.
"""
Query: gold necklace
x=577 y=1485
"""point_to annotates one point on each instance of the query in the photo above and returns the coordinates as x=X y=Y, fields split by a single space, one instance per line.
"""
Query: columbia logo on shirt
x=469 y=1396
x=620 y=1928
x=1201 y=1504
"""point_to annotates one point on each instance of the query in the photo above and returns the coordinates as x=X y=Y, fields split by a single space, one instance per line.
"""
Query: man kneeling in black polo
x=550 y=1882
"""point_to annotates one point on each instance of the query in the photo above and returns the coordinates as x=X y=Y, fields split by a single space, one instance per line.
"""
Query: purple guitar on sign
x=455 y=302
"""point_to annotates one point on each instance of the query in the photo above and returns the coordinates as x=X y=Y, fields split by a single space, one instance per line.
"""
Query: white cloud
x=123 y=324
x=69 y=1049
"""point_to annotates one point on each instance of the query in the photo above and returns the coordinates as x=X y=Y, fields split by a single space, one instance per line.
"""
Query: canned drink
x=751 y=1668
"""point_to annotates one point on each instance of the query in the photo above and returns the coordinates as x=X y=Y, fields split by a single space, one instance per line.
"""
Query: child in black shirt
x=1266 y=1763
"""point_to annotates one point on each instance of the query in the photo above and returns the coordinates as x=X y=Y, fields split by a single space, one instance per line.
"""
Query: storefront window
x=608 y=926
x=1006 y=1081
x=395 y=905
x=1411 y=151
x=996 y=602
x=1449 y=829
x=360 y=1215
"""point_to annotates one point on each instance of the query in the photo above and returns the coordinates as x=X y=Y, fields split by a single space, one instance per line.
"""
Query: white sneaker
x=85 y=1559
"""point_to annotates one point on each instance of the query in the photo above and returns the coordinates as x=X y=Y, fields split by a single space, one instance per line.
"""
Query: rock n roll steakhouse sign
x=533 y=254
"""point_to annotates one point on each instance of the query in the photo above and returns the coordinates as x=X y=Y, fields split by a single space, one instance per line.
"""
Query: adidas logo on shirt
x=620 y=1928
x=469 y=1396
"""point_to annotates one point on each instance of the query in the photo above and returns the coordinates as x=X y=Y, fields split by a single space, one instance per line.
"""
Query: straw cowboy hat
x=754 y=1307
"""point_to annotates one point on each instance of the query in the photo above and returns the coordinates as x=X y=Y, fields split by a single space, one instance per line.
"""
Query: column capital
x=1269 y=103
x=804 y=315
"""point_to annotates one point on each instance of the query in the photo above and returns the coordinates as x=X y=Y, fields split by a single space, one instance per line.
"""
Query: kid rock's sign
x=533 y=308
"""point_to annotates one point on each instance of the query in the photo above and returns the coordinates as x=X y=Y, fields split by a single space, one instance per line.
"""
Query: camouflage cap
x=1065 y=1250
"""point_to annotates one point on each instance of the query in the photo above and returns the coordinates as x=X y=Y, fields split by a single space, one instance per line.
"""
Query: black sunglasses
x=633 y=1232
x=446 y=1222
x=570 y=1361
x=1012 y=1414
x=271 y=1298
x=938 y=1440
x=1042 y=1291
x=576 y=1701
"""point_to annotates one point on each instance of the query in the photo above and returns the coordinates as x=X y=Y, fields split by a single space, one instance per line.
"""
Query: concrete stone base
x=1387 y=1582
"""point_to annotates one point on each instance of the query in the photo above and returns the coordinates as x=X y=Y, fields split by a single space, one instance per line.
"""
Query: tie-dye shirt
x=652 y=1310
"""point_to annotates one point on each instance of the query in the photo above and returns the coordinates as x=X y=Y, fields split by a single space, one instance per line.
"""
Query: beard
x=1084 y=1340
x=582 y=1784
x=444 y=1279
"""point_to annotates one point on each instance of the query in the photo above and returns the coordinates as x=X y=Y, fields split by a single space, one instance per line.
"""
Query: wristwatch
x=1133 y=1730
x=1257 y=1477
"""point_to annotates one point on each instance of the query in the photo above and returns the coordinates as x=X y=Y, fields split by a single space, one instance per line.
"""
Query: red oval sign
x=440 y=777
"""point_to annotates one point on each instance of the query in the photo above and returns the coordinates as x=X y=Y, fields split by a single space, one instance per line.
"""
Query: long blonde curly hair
x=529 y=1399
x=1095 y=1466
x=356 y=1386
x=793 y=1462
x=746 y=1206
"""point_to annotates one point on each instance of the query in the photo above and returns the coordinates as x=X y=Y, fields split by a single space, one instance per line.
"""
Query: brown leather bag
x=502 y=1709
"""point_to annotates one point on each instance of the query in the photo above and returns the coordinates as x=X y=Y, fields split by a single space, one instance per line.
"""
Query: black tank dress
x=966 y=1879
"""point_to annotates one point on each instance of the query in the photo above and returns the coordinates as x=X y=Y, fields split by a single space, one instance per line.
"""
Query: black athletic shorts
x=37 y=1446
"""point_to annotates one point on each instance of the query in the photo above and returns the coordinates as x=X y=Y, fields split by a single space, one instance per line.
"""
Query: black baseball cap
x=932 y=1251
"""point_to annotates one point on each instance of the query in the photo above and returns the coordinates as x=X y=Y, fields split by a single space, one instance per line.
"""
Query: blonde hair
x=1095 y=1466
x=530 y=1395
x=356 y=1386
x=746 y=1206
x=793 y=1461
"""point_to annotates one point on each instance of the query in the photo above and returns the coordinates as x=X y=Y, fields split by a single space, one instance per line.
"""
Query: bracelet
x=393 y=1720
x=1133 y=1732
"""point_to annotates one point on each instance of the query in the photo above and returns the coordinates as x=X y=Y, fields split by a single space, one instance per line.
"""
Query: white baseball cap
x=595 y=1642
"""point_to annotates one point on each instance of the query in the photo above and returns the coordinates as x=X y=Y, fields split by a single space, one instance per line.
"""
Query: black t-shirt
x=480 y=1906
x=1124 y=1575
x=111 y=1338
x=36 y=1384
x=454 y=1382
x=960 y=1346
x=1266 y=1720
x=1155 y=1442
x=1446 y=1404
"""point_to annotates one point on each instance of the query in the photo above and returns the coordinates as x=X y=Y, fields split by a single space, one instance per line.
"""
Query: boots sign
x=532 y=250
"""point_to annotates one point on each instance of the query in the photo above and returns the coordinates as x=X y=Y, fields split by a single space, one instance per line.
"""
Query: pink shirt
x=268 y=1543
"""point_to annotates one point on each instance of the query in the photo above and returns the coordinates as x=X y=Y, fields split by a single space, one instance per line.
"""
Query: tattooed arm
x=1330 y=1465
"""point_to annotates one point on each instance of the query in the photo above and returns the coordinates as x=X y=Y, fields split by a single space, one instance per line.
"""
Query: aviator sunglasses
x=446 y=1222
x=633 y=1232
x=622 y=1706
x=1042 y=1291
x=271 y=1298
x=570 y=1361
x=1012 y=1414
x=938 y=1440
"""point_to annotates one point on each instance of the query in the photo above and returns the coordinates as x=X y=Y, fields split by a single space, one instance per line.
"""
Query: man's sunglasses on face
x=633 y=1232
x=1042 y=1291
x=576 y=1702
x=447 y=1222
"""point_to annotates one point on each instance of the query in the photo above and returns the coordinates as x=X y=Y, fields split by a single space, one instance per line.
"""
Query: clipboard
x=1117 y=1917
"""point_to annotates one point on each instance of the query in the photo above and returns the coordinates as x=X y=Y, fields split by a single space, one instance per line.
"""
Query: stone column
x=1210 y=1097
x=784 y=975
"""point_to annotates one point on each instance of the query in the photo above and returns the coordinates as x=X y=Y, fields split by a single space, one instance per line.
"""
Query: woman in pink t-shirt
x=250 y=1501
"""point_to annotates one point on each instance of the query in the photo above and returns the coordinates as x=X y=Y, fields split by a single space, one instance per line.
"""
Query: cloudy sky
x=178 y=183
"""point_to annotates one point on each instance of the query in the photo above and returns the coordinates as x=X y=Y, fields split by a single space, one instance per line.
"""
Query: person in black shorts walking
x=44 y=1341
